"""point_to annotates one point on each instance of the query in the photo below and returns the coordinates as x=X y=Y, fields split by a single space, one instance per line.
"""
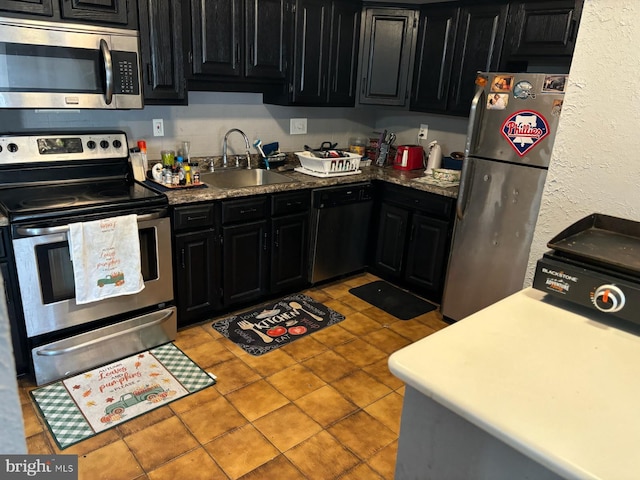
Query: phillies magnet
x=524 y=130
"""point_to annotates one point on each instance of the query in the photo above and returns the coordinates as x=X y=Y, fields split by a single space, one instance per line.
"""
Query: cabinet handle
x=200 y=217
x=237 y=54
x=364 y=82
x=149 y=74
x=413 y=230
x=264 y=244
x=182 y=259
x=276 y=240
x=249 y=210
x=573 y=30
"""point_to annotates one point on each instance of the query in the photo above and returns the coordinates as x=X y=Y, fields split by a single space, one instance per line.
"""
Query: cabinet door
x=387 y=55
x=542 y=28
x=391 y=240
x=161 y=50
x=216 y=38
x=264 y=38
x=311 y=40
x=343 y=55
x=32 y=7
x=478 y=47
x=426 y=255
x=244 y=262
x=89 y=11
x=289 y=252
x=434 y=58
x=197 y=267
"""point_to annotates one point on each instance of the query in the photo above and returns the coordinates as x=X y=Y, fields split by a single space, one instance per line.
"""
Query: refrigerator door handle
x=467 y=166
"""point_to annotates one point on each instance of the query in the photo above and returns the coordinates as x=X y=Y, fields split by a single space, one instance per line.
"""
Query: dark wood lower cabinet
x=197 y=274
x=289 y=252
x=244 y=262
x=413 y=236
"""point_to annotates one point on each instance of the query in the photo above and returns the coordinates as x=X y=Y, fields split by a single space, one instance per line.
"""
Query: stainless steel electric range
x=47 y=182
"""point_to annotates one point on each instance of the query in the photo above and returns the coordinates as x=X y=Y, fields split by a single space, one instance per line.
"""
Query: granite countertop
x=302 y=181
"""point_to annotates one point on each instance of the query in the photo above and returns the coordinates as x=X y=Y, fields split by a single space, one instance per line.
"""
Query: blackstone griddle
x=595 y=262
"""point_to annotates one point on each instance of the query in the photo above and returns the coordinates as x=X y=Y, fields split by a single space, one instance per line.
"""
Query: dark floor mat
x=392 y=300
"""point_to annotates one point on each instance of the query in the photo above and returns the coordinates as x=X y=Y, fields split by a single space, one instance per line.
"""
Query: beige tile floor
x=323 y=407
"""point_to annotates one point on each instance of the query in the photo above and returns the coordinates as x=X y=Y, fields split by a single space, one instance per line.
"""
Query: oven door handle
x=53 y=353
x=38 y=231
x=108 y=71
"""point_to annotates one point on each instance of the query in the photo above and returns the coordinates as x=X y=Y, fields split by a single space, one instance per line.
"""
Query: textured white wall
x=594 y=165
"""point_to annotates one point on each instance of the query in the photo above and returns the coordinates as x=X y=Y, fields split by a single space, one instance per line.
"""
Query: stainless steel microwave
x=61 y=65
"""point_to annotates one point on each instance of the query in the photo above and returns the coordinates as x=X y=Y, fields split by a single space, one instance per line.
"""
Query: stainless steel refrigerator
x=512 y=126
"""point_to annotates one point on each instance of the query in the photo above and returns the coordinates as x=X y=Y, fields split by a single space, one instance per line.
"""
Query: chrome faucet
x=224 y=148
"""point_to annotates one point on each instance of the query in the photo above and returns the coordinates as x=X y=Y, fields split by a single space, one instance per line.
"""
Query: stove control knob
x=91 y=145
x=117 y=144
x=12 y=147
x=104 y=144
x=608 y=298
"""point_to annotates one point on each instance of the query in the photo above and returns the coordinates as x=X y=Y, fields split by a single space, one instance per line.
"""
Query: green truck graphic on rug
x=148 y=392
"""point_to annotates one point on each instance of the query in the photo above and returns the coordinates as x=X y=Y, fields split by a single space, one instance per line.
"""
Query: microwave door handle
x=467 y=166
x=108 y=71
x=38 y=231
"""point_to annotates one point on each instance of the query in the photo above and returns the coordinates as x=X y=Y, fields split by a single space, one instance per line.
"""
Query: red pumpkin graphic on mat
x=298 y=330
x=276 y=331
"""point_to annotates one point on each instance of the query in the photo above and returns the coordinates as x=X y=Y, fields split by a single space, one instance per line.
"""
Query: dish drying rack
x=347 y=164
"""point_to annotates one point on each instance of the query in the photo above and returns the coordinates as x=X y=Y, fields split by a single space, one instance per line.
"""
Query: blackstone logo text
x=562 y=275
x=50 y=467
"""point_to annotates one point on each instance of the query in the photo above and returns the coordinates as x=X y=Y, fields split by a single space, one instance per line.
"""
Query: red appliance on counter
x=409 y=157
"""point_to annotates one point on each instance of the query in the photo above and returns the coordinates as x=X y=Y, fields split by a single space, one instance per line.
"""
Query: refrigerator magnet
x=554 y=84
x=497 y=101
x=524 y=129
x=556 y=109
x=502 y=83
x=523 y=90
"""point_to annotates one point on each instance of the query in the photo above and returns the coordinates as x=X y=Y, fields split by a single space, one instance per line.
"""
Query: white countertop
x=550 y=382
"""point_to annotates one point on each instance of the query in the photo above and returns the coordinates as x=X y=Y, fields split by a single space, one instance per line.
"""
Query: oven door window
x=39 y=68
x=56 y=269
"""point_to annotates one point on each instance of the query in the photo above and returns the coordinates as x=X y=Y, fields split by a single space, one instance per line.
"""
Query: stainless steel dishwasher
x=340 y=219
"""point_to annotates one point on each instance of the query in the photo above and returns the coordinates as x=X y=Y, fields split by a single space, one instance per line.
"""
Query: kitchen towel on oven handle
x=106 y=258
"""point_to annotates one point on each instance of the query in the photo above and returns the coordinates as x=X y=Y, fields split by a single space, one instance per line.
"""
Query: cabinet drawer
x=193 y=216
x=244 y=210
x=426 y=202
x=290 y=202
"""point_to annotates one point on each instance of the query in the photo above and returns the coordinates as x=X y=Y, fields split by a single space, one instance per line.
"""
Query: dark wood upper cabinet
x=434 y=58
x=235 y=42
x=216 y=38
x=117 y=12
x=454 y=44
x=343 y=54
x=387 y=55
x=478 y=47
x=161 y=52
x=310 y=47
x=541 y=30
x=264 y=39
x=30 y=7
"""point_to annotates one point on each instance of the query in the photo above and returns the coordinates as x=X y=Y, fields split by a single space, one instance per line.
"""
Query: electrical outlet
x=297 y=126
x=423 y=131
x=158 y=127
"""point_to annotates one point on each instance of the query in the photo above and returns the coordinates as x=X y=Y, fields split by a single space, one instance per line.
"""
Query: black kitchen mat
x=392 y=300
x=275 y=324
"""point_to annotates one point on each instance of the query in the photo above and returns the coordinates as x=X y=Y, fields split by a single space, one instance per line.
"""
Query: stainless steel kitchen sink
x=243 y=178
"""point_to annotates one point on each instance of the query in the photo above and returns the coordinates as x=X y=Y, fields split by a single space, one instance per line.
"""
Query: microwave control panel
x=125 y=73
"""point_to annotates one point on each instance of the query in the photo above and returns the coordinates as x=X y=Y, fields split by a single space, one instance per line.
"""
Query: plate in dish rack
x=326 y=175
